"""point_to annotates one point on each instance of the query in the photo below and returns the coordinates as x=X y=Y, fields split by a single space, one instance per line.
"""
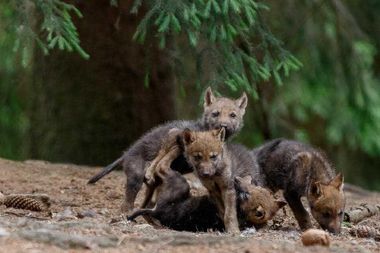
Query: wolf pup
x=218 y=112
x=256 y=205
x=301 y=170
x=175 y=208
x=216 y=163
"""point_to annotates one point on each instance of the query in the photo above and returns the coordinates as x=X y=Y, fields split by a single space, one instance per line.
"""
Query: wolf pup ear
x=241 y=187
x=281 y=203
x=247 y=180
x=315 y=189
x=209 y=97
x=188 y=137
x=242 y=101
x=337 y=182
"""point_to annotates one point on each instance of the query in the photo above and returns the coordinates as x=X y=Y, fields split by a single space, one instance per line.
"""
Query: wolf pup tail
x=105 y=171
x=267 y=149
x=272 y=145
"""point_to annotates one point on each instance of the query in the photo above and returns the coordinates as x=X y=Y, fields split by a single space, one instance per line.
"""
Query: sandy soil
x=84 y=217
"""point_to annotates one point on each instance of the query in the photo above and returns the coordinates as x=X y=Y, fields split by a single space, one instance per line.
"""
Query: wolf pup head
x=327 y=203
x=257 y=204
x=204 y=151
x=222 y=112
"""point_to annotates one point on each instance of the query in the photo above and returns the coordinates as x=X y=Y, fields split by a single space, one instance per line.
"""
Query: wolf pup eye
x=215 y=114
x=326 y=215
x=259 y=214
x=197 y=157
x=233 y=115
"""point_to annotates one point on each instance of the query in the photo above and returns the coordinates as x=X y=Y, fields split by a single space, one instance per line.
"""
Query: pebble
x=143 y=226
x=66 y=214
x=315 y=237
x=86 y=213
x=104 y=211
x=248 y=232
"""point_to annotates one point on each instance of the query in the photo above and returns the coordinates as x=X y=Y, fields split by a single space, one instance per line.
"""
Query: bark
x=88 y=111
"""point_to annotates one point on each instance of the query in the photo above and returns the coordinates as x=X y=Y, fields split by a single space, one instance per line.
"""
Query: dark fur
x=144 y=150
x=176 y=209
x=297 y=168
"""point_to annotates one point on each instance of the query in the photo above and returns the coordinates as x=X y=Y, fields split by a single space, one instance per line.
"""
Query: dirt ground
x=87 y=217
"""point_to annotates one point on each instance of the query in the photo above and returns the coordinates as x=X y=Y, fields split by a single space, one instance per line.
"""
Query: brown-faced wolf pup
x=175 y=208
x=218 y=112
x=300 y=170
x=217 y=164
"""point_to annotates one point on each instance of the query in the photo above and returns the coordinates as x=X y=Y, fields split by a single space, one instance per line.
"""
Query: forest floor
x=87 y=217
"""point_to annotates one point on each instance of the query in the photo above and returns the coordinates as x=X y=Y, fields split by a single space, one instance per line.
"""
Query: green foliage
x=13 y=122
x=229 y=42
x=337 y=87
x=56 y=29
x=334 y=100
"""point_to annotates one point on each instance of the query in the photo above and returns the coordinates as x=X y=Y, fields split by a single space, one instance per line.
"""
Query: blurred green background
x=81 y=80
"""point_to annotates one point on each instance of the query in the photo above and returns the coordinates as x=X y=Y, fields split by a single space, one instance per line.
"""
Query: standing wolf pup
x=218 y=112
x=300 y=170
x=217 y=164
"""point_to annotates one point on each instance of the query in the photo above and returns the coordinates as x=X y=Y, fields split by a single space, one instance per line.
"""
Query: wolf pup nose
x=205 y=151
x=300 y=170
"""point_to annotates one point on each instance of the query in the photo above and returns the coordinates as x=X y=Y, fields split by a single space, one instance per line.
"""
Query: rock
x=86 y=213
x=315 y=237
x=143 y=226
x=104 y=211
x=248 y=232
x=66 y=214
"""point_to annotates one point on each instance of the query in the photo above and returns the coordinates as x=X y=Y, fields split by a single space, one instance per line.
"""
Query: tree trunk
x=88 y=111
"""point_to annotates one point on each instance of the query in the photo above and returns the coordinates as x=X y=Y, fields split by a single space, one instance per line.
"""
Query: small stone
x=104 y=211
x=86 y=213
x=315 y=237
x=248 y=232
x=143 y=226
x=66 y=214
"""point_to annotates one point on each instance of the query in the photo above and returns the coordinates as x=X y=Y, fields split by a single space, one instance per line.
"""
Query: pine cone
x=365 y=232
x=22 y=202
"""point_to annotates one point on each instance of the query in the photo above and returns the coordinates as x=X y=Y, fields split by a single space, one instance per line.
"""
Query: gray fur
x=145 y=149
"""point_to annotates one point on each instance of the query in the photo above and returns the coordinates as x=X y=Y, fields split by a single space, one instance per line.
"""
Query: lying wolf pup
x=177 y=209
